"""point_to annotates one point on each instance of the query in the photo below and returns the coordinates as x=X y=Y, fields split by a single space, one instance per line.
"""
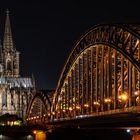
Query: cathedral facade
x=15 y=91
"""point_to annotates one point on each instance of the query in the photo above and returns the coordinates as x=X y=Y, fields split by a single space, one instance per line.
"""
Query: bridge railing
x=133 y=109
x=42 y=119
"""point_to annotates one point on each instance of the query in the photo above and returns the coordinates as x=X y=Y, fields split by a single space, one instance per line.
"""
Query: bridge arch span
x=104 y=64
x=39 y=105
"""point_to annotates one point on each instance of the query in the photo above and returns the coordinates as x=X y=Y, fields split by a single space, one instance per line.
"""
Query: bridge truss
x=102 y=73
x=39 y=109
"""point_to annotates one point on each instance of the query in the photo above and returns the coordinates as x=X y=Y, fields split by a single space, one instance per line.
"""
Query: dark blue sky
x=45 y=31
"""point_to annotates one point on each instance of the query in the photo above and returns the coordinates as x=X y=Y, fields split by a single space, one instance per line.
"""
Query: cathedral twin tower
x=15 y=91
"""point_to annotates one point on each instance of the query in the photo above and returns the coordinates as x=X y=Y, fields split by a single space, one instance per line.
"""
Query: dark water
x=72 y=134
x=17 y=137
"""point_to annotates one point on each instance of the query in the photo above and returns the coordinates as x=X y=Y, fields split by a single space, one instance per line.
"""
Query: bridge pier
x=39 y=135
x=136 y=136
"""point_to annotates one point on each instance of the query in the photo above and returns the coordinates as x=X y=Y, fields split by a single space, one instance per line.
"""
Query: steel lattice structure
x=101 y=73
x=38 y=108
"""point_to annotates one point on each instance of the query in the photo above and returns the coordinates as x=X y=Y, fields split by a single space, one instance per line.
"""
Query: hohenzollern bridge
x=99 y=84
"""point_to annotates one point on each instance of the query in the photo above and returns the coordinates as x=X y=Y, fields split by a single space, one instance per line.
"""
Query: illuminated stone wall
x=15 y=91
x=13 y=99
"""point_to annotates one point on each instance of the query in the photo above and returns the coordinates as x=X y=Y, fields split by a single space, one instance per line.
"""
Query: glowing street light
x=136 y=93
x=78 y=107
x=123 y=98
x=136 y=97
x=53 y=113
x=64 y=110
x=86 y=105
x=108 y=101
x=97 y=105
x=70 y=109
x=35 y=132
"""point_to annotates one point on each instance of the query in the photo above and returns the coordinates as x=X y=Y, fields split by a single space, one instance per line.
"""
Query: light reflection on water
x=28 y=137
x=69 y=135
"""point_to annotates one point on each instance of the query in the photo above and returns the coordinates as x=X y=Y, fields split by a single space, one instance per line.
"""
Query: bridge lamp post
x=123 y=98
x=97 y=105
x=136 y=96
x=108 y=102
x=78 y=109
x=49 y=114
x=58 y=112
x=70 y=111
x=64 y=112
x=53 y=114
x=86 y=106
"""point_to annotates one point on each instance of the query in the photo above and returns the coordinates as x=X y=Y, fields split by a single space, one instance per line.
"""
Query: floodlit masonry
x=15 y=91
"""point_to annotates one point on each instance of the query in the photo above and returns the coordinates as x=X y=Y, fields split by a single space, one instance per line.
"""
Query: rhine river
x=70 y=134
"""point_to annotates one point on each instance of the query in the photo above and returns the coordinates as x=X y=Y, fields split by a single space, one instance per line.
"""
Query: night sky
x=45 y=31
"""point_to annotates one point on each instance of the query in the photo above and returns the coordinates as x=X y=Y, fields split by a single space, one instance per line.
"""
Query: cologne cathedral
x=15 y=91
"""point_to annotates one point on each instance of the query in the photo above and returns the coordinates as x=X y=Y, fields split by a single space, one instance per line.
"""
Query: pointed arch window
x=4 y=100
x=9 y=65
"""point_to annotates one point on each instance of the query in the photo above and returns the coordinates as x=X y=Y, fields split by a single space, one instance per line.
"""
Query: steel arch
x=122 y=38
x=43 y=97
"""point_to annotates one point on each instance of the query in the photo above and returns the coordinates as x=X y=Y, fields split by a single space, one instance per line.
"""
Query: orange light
x=70 y=108
x=107 y=100
x=96 y=103
x=136 y=93
x=119 y=97
x=40 y=135
x=35 y=132
x=53 y=113
x=86 y=105
x=77 y=107
x=124 y=97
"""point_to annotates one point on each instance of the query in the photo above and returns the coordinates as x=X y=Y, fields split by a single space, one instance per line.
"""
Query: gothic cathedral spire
x=8 y=40
x=15 y=91
x=10 y=55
